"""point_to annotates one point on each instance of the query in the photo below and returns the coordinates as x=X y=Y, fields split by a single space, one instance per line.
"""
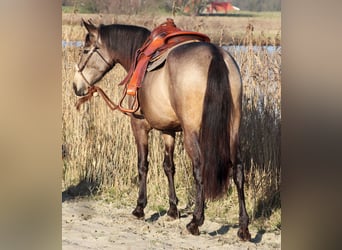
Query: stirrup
x=135 y=105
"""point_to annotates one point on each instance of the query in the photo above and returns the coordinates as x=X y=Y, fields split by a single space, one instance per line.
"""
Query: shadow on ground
x=154 y=217
x=222 y=230
x=258 y=236
x=83 y=189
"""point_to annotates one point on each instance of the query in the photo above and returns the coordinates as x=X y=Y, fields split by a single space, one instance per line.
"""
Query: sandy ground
x=91 y=224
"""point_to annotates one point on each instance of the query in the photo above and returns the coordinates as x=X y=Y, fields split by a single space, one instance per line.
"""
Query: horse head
x=94 y=63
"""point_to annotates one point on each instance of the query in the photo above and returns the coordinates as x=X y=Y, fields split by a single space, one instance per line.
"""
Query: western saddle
x=161 y=39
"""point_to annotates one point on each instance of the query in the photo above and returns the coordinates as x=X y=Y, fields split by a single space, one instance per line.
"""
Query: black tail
x=214 y=133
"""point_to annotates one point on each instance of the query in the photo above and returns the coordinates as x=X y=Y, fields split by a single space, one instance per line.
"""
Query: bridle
x=93 y=89
x=94 y=49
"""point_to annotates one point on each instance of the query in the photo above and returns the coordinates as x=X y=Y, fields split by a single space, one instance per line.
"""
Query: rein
x=95 y=89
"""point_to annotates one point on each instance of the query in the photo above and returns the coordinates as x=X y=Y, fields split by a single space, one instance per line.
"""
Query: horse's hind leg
x=169 y=168
x=193 y=149
x=140 y=131
x=238 y=175
x=239 y=179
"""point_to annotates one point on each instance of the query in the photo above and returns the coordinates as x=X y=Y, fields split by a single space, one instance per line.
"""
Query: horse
x=198 y=90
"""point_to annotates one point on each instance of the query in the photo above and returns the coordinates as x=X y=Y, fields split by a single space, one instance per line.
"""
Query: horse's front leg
x=140 y=131
x=169 y=169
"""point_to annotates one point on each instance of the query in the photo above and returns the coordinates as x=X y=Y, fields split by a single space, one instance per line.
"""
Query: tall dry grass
x=261 y=126
x=99 y=153
x=230 y=30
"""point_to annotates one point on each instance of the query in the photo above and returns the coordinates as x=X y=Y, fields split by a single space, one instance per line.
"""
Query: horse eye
x=85 y=50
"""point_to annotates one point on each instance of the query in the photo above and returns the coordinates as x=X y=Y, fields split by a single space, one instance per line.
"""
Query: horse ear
x=92 y=29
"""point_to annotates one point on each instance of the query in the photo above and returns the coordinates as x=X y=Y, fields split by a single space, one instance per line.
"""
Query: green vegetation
x=73 y=9
x=258 y=5
x=79 y=6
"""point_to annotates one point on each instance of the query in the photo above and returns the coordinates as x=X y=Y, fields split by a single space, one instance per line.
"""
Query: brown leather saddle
x=157 y=45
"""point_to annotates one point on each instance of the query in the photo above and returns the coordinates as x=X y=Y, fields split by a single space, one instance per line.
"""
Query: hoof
x=173 y=213
x=138 y=212
x=193 y=228
x=244 y=234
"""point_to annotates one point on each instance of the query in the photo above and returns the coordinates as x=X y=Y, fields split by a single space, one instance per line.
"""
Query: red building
x=218 y=7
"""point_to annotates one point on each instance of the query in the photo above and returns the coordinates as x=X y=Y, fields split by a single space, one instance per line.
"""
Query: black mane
x=123 y=39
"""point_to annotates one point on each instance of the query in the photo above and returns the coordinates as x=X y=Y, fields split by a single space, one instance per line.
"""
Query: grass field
x=99 y=149
x=221 y=29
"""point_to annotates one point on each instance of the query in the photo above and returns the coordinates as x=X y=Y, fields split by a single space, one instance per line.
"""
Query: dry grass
x=100 y=154
x=227 y=29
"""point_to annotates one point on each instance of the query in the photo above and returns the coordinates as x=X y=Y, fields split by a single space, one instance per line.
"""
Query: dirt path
x=90 y=224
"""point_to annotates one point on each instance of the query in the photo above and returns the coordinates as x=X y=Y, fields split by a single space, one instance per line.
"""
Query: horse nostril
x=78 y=92
x=74 y=87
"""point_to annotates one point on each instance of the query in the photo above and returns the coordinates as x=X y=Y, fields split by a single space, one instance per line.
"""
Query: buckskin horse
x=197 y=90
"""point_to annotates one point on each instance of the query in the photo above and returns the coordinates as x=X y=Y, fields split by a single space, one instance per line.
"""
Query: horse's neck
x=125 y=62
x=126 y=58
x=127 y=51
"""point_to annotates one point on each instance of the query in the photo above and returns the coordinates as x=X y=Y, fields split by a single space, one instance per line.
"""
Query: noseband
x=91 y=52
x=93 y=89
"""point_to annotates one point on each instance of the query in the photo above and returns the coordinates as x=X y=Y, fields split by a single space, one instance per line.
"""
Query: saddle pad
x=158 y=60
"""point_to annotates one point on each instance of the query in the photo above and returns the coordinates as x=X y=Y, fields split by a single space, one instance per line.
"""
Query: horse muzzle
x=79 y=91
